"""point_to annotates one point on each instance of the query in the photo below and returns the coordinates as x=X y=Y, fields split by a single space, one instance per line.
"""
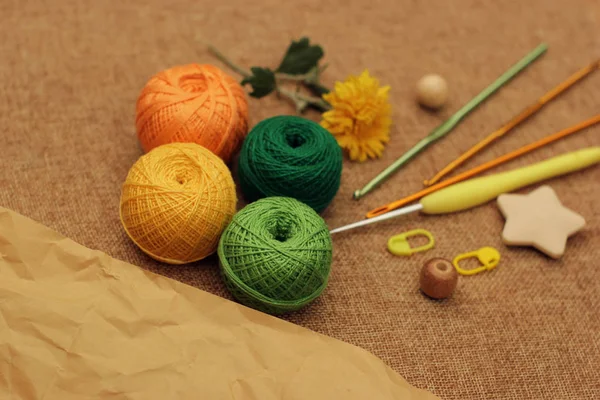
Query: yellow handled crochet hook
x=474 y=192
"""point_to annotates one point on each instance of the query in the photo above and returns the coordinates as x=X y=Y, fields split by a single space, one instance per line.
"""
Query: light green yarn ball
x=275 y=255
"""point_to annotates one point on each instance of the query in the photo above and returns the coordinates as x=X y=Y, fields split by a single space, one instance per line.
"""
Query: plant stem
x=302 y=100
x=288 y=77
x=308 y=78
x=228 y=62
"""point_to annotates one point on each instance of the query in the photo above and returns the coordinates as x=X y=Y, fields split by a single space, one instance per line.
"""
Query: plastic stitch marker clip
x=488 y=256
x=399 y=246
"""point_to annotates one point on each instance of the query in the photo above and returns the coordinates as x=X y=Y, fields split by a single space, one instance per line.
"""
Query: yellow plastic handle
x=478 y=191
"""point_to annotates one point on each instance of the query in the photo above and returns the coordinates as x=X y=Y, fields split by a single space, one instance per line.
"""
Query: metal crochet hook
x=453 y=121
x=518 y=119
x=474 y=192
x=486 y=166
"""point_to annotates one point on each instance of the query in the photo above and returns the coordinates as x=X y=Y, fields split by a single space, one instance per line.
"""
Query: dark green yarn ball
x=291 y=157
x=275 y=255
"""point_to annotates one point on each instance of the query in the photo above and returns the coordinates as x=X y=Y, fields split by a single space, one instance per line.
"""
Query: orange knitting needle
x=526 y=113
x=484 y=167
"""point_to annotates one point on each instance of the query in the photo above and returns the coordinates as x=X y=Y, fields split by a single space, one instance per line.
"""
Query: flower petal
x=360 y=116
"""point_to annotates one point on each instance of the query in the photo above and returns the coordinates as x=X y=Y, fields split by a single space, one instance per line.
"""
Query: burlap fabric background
x=70 y=72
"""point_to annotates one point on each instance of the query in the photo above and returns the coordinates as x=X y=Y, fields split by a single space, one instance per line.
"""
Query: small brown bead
x=438 y=278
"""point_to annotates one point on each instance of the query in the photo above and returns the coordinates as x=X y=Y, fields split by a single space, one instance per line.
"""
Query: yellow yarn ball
x=176 y=201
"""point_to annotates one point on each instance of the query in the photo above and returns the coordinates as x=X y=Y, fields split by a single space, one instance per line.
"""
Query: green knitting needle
x=451 y=122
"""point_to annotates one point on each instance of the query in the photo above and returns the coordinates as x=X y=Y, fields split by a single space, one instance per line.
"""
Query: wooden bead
x=432 y=91
x=438 y=278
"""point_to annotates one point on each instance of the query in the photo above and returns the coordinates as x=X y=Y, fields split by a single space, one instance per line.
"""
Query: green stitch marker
x=451 y=122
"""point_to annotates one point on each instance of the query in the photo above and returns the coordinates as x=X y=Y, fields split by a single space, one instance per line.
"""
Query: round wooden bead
x=432 y=91
x=438 y=278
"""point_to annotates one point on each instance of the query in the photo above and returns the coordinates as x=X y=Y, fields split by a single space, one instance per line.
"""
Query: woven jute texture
x=71 y=71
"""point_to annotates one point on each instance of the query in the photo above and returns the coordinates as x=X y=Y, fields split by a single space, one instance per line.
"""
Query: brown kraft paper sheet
x=78 y=324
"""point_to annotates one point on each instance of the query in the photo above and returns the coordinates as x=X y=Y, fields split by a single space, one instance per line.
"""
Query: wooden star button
x=538 y=219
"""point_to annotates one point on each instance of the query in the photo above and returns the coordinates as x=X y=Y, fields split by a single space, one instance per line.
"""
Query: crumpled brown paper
x=78 y=324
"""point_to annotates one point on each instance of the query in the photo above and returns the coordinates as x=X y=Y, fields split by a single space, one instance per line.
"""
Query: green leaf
x=300 y=57
x=262 y=81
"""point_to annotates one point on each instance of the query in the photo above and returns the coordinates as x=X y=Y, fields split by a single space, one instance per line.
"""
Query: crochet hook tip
x=389 y=215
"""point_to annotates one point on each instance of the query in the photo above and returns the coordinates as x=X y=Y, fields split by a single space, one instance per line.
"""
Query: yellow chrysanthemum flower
x=360 y=116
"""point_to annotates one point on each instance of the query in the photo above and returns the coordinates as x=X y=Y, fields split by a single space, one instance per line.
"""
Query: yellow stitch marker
x=399 y=246
x=488 y=256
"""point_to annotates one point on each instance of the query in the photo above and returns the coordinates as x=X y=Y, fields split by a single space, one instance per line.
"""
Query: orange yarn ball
x=193 y=103
x=176 y=201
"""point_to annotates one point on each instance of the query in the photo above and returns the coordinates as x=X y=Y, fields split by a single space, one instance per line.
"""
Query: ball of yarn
x=193 y=103
x=176 y=201
x=275 y=256
x=291 y=157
